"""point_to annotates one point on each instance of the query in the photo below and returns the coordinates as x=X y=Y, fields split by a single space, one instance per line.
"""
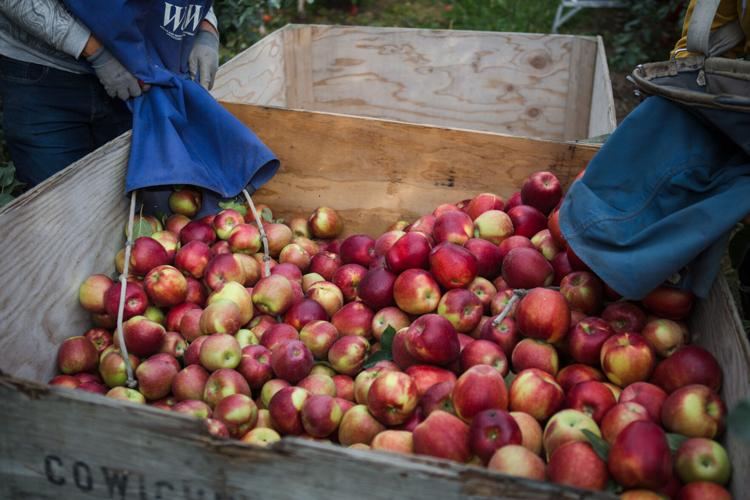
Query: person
x=658 y=202
x=63 y=93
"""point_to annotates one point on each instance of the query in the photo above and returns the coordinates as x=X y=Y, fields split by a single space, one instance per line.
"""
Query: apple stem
x=131 y=382
x=263 y=237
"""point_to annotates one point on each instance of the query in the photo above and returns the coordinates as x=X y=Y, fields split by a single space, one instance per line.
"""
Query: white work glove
x=116 y=79
x=204 y=58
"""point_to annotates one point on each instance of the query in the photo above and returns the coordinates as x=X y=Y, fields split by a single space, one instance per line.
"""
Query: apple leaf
x=381 y=355
x=509 y=378
x=7 y=175
x=739 y=420
x=675 y=441
x=141 y=228
x=234 y=205
x=266 y=215
x=613 y=487
x=386 y=344
x=5 y=198
x=600 y=446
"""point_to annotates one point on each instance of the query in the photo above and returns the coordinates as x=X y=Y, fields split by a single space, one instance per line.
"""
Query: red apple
x=561 y=266
x=702 y=490
x=481 y=387
x=136 y=300
x=452 y=266
x=516 y=460
x=286 y=408
x=700 y=459
x=143 y=337
x=196 y=292
x=197 y=230
x=192 y=258
x=328 y=295
x=484 y=352
x=394 y=441
x=317 y=383
x=348 y=278
x=482 y=203
x=586 y=338
x=668 y=302
x=186 y=202
x=146 y=254
x=647 y=395
x=640 y=456
x=527 y=220
x=273 y=294
x=531 y=431
x=321 y=415
x=432 y=339
x=454 y=227
x=426 y=376
x=526 y=268
x=354 y=318
x=627 y=358
x=357 y=249
x=490 y=430
x=348 y=353
x=189 y=383
x=534 y=353
x=91 y=293
x=269 y=390
x=325 y=264
x=416 y=292
x=535 y=392
x=386 y=240
x=577 y=464
x=304 y=312
x=358 y=426
x=620 y=416
x=543 y=314
x=244 y=238
x=583 y=291
x=664 y=336
x=388 y=317
x=424 y=225
x=376 y=288
x=438 y=397
x=344 y=386
x=694 y=410
x=165 y=286
x=624 y=317
x=443 y=435
x=505 y=334
x=222 y=269
x=392 y=398
x=77 y=354
x=462 y=308
x=513 y=242
x=222 y=383
x=291 y=360
x=100 y=337
x=319 y=336
x=688 y=365
x=325 y=223
x=574 y=374
x=592 y=398
x=542 y=190
x=238 y=413
x=488 y=256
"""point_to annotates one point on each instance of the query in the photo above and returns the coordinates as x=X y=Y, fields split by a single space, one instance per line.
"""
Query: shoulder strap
x=701 y=40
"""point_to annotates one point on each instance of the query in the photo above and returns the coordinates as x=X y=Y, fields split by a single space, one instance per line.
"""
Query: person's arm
x=48 y=20
x=204 y=58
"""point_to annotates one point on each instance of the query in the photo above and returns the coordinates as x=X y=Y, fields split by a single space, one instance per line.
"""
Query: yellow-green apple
x=325 y=222
x=92 y=291
x=255 y=365
x=222 y=383
x=576 y=373
x=273 y=294
x=286 y=408
x=358 y=426
x=278 y=333
x=462 y=308
x=425 y=376
x=443 y=435
x=344 y=386
x=221 y=316
x=482 y=203
x=126 y=394
x=321 y=415
x=251 y=268
x=261 y=436
x=146 y=254
x=566 y=426
x=688 y=365
x=260 y=323
x=309 y=279
x=392 y=397
x=535 y=353
x=531 y=431
x=664 y=335
x=347 y=278
x=479 y=388
x=490 y=430
x=270 y=388
x=545 y=244
x=363 y=381
x=493 y=226
x=136 y=300
x=586 y=338
x=155 y=314
x=279 y=236
x=702 y=490
x=225 y=222
x=291 y=360
x=583 y=291
x=484 y=352
x=388 y=316
x=425 y=225
x=416 y=292
x=174 y=344
x=348 y=354
x=535 y=392
x=543 y=314
x=235 y=292
x=668 y=302
x=620 y=416
x=640 y=456
x=175 y=223
x=516 y=460
x=192 y=258
x=300 y=227
x=385 y=241
x=185 y=201
x=264 y=419
x=591 y=398
x=561 y=266
x=542 y=190
x=296 y=255
x=325 y=264
x=318 y=383
x=193 y=407
x=165 y=286
x=143 y=337
x=505 y=334
x=112 y=367
x=246 y=337
x=627 y=358
x=189 y=383
x=238 y=412
x=355 y=318
x=700 y=459
x=577 y=464
x=452 y=265
x=216 y=429
x=694 y=410
x=222 y=269
x=394 y=441
x=454 y=227
x=100 y=337
x=432 y=339
x=220 y=350
x=527 y=220
x=647 y=395
x=319 y=336
x=169 y=240
x=328 y=295
x=624 y=317
x=77 y=354
x=527 y=268
x=411 y=251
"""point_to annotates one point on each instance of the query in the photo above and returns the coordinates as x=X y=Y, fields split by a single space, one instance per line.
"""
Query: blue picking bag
x=181 y=135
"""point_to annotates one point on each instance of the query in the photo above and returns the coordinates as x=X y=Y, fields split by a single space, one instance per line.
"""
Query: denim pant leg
x=52 y=118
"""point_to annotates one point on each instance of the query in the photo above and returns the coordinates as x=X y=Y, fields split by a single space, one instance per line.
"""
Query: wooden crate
x=547 y=86
x=59 y=443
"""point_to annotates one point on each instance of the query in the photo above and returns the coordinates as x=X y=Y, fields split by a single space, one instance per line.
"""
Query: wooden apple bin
x=61 y=443
x=546 y=86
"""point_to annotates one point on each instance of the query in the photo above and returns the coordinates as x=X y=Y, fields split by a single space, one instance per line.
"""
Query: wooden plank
x=715 y=325
x=257 y=75
x=580 y=84
x=498 y=82
x=298 y=66
x=102 y=448
x=602 y=119
x=378 y=171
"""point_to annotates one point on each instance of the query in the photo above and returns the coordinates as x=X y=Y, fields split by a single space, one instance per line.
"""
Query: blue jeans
x=51 y=118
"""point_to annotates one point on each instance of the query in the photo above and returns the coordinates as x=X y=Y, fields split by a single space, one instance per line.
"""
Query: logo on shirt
x=181 y=20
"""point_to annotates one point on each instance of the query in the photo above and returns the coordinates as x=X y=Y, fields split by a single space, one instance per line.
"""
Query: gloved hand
x=204 y=58
x=117 y=81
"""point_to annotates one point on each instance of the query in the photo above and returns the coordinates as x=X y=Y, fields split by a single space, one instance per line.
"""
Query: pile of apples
x=473 y=334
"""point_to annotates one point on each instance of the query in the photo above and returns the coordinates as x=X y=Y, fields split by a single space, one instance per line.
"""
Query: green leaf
x=509 y=378
x=739 y=420
x=675 y=441
x=386 y=340
x=600 y=446
x=381 y=355
x=5 y=198
x=234 y=205
x=739 y=245
x=613 y=487
x=266 y=215
x=7 y=175
x=141 y=227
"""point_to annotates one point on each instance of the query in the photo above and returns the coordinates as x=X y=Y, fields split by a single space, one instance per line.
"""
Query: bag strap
x=701 y=40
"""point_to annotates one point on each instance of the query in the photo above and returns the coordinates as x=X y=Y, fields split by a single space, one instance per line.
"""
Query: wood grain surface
x=602 y=118
x=59 y=443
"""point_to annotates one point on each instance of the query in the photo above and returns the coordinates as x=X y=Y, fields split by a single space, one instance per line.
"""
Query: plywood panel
x=256 y=75
x=602 y=119
x=580 y=83
x=298 y=65
x=499 y=82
